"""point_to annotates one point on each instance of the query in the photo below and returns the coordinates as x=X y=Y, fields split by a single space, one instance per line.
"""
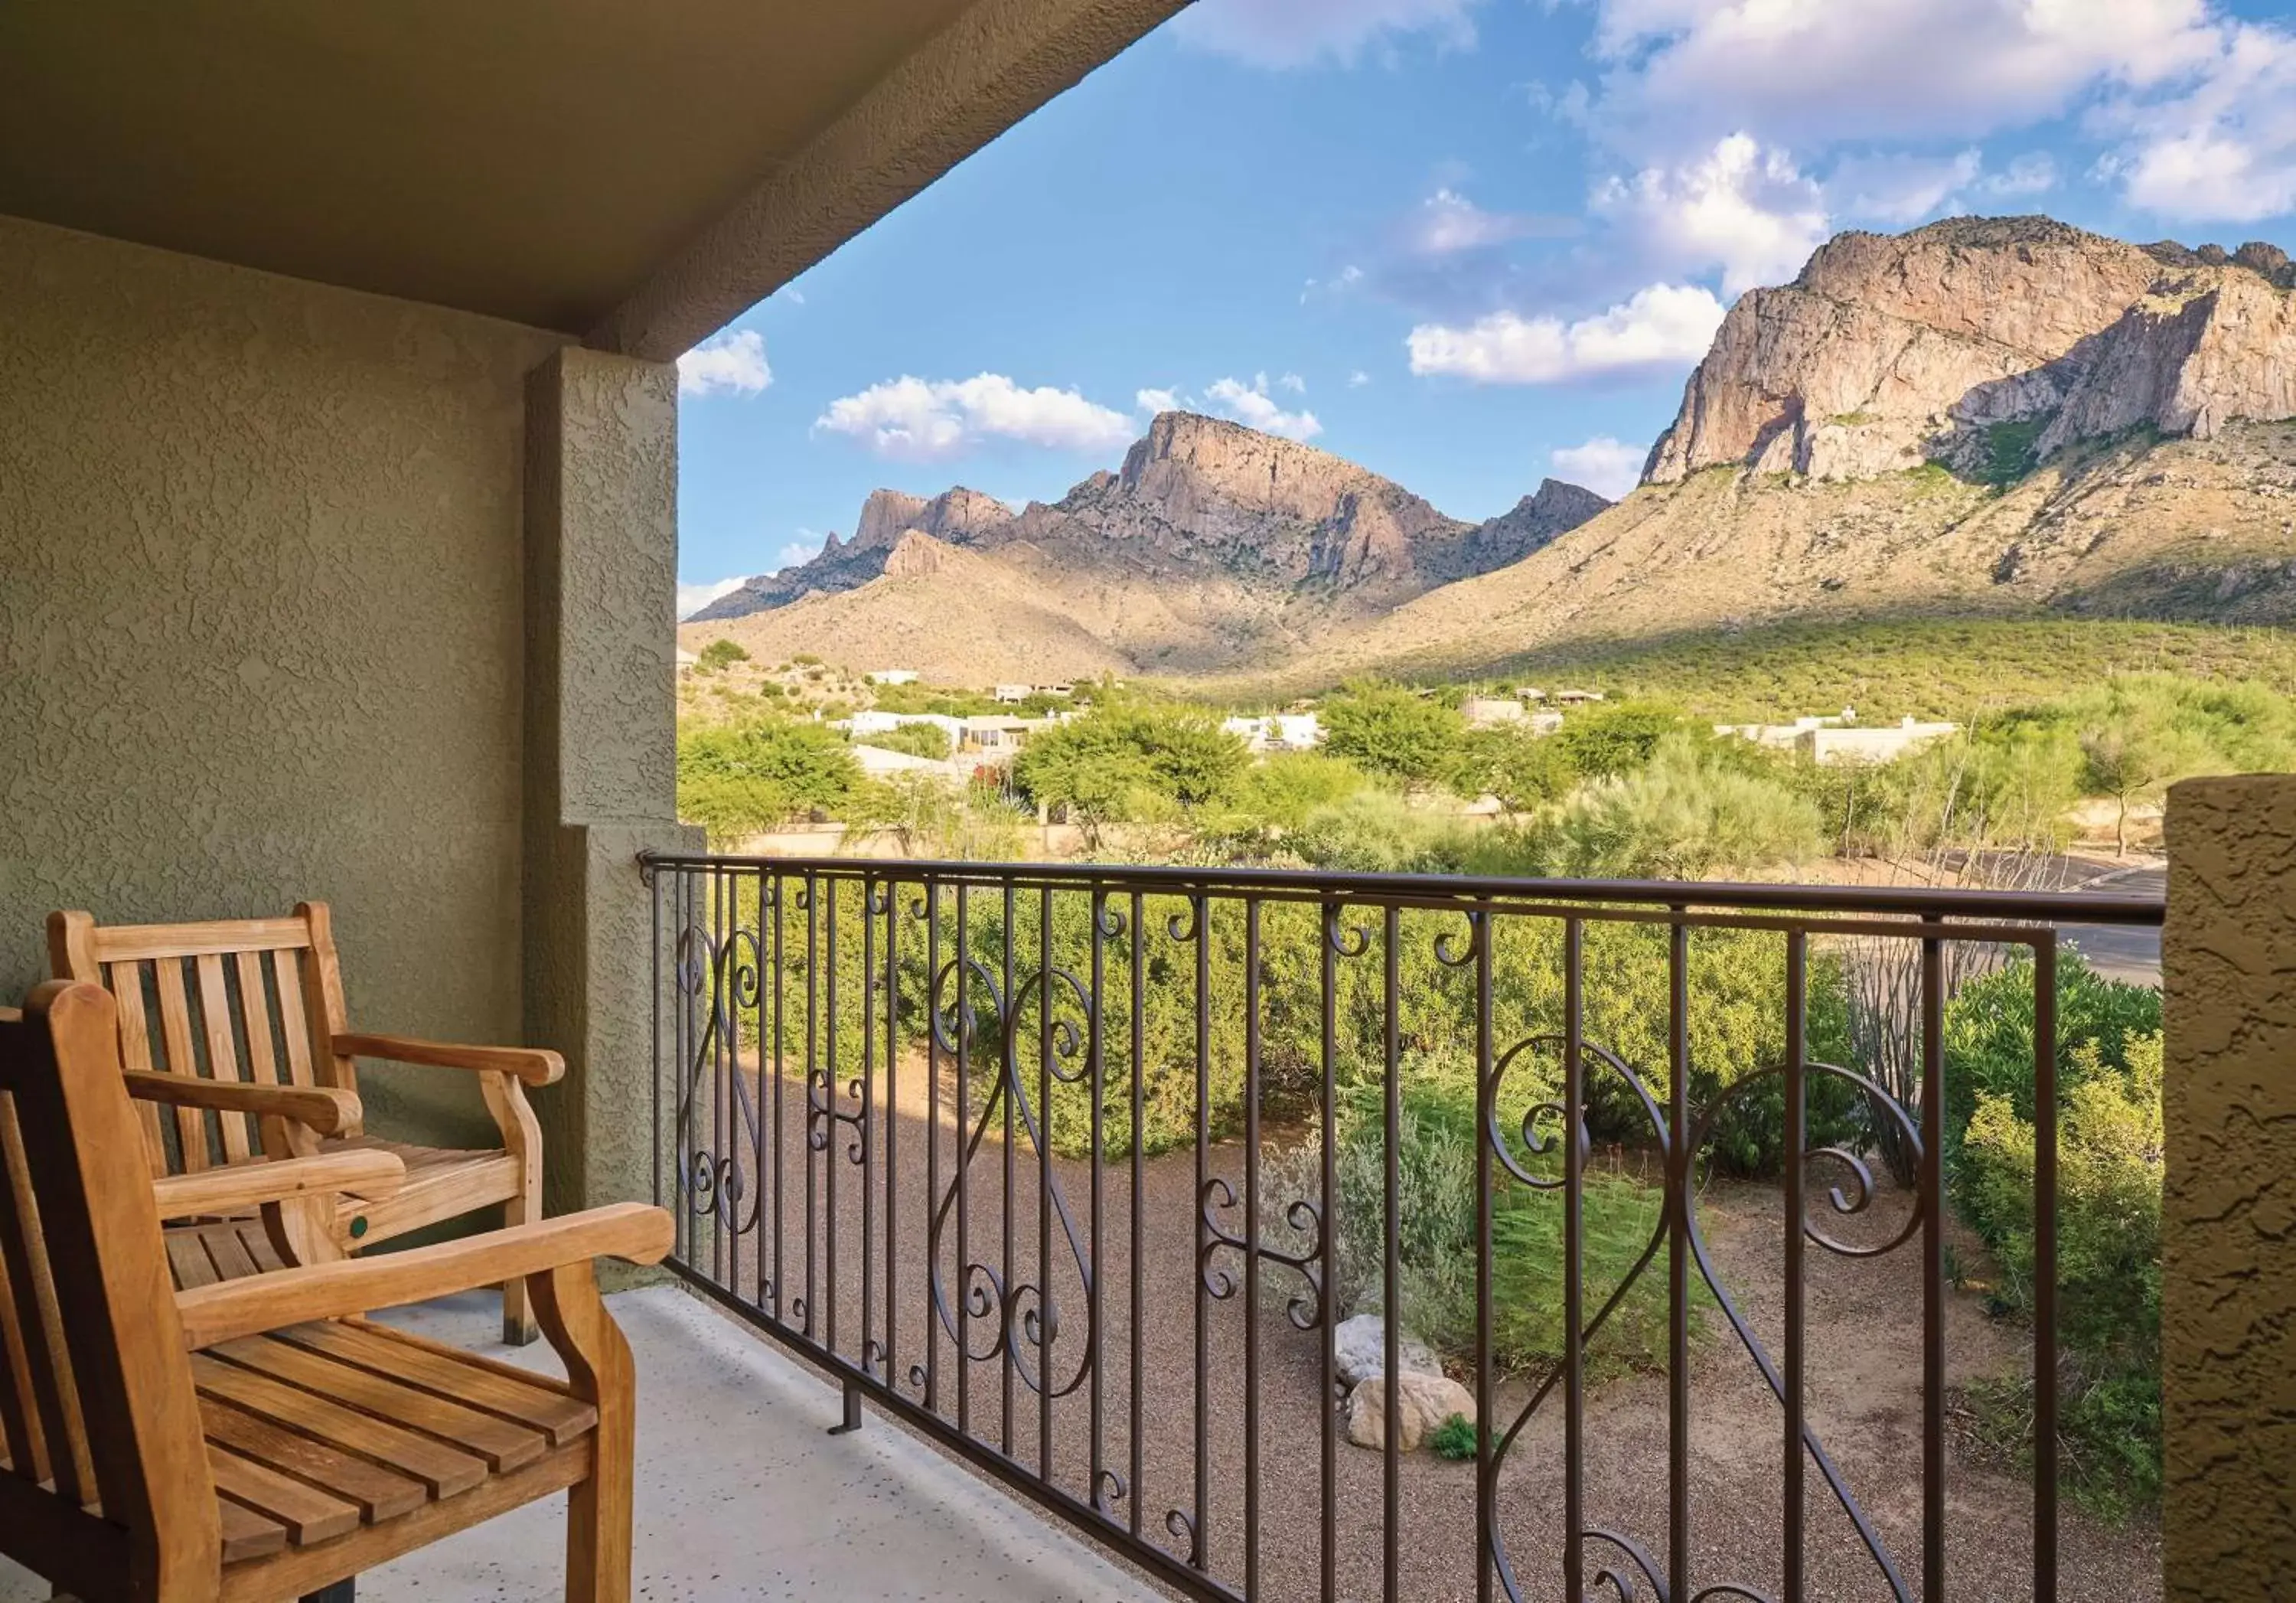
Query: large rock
x=1892 y=351
x=1423 y=1402
x=1359 y=1350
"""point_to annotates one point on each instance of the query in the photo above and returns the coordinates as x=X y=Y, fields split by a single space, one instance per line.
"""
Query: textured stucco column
x=2229 y=1225
x=601 y=751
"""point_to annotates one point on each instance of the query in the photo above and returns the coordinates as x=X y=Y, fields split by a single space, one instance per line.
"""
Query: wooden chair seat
x=318 y=1430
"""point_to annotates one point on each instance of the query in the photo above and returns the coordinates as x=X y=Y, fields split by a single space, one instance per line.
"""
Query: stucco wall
x=2228 y=1228
x=261 y=625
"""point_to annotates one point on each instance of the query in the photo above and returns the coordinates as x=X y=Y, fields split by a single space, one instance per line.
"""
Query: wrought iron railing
x=1077 y=1170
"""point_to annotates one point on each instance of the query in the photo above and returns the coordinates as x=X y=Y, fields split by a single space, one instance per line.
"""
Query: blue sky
x=1466 y=243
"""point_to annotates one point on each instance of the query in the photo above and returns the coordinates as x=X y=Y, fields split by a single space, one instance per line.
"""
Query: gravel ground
x=1863 y=1320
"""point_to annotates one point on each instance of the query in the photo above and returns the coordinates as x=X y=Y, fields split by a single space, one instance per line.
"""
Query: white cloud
x=692 y=598
x=1605 y=465
x=1159 y=400
x=1448 y=223
x=2031 y=174
x=1741 y=207
x=734 y=362
x=1251 y=406
x=1358 y=379
x=1815 y=71
x=2223 y=148
x=1661 y=326
x=1301 y=33
x=1294 y=384
x=1899 y=189
x=798 y=551
x=913 y=420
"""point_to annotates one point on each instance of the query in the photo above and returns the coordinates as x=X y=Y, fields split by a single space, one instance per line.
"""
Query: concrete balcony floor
x=743 y=1494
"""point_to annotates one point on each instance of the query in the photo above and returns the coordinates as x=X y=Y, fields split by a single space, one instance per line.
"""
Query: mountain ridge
x=1988 y=417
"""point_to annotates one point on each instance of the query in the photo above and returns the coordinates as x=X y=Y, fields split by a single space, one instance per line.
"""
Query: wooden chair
x=252 y=1005
x=252 y=1441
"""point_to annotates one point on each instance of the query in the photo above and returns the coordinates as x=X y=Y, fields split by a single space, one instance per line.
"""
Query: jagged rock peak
x=1890 y=350
x=959 y=513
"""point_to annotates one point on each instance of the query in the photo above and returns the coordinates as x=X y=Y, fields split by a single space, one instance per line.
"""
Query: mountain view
x=2001 y=418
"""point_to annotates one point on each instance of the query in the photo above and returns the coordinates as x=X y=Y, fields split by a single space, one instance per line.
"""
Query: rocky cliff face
x=1892 y=351
x=1214 y=515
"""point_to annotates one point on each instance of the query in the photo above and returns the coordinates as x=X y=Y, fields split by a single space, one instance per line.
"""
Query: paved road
x=2119 y=951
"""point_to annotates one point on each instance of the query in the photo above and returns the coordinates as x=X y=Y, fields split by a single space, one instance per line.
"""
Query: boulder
x=1360 y=1350
x=1424 y=1401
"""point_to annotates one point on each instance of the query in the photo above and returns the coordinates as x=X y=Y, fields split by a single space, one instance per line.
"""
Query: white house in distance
x=1837 y=740
x=891 y=675
x=1278 y=732
x=870 y=721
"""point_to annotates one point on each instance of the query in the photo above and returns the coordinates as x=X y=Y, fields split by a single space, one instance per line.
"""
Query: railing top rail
x=1921 y=901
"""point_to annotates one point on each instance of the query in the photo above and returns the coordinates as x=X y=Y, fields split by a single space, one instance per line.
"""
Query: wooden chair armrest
x=362 y=1173
x=325 y=1109
x=533 y=1064
x=222 y=1312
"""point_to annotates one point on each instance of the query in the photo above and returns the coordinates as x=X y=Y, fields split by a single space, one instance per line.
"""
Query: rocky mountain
x=1984 y=417
x=1988 y=344
x=1211 y=541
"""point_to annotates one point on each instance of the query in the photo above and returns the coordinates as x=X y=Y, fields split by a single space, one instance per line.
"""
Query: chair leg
x=598 y=1367
x=519 y=1327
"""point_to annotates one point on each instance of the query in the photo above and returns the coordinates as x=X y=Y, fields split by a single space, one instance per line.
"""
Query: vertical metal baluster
x=2045 y=1267
x=768 y=1160
x=1391 y=1466
x=932 y=1138
x=892 y=1127
x=1203 y=1541
x=1139 y=1043
x=721 y=1095
x=1251 y=1247
x=1930 y=1195
x=1009 y=1071
x=1327 y=1298
x=812 y=1063
x=828 y=1117
x=681 y=1030
x=867 y=1129
x=780 y=1067
x=1096 y=1080
x=1796 y=1143
x=1486 y=1121
x=1046 y=1319
x=1574 y=1264
x=1678 y=1180
x=960 y=1293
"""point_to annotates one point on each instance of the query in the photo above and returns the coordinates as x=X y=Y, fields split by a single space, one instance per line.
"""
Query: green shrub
x=1117 y=762
x=917 y=740
x=1522 y=770
x=1687 y=810
x=739 y=779
x=1397 y=734
x=1601 y=743
x=1454 y=1439
x=2109 y=1177
x=721 y=653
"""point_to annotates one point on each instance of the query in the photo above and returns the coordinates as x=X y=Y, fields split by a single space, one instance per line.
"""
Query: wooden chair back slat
x=322 y=997
x=125 y=982
x=39 y=1319
x=20 y=1407
x=225 y=1059
x=137 y=942
x=181 y=1058
x=96 y=1322
x=294 y=1029
x=255 y=1009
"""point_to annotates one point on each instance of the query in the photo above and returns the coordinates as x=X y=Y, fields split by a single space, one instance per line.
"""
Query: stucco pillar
x=2228 y=1321
x=601 y=751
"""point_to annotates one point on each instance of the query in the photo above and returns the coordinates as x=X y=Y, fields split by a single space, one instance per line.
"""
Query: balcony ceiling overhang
x=633 y=174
